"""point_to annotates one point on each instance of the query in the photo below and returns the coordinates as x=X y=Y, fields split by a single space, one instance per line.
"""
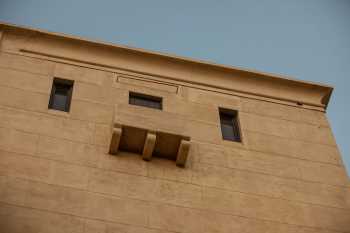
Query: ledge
x=150 y=143
x=247 y=82
x=144 y=131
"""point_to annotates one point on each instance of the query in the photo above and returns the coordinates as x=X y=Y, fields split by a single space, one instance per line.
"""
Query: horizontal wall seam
x=149 y=202
x=181 y=116
x=112 y=222
x=200 y=142
x=156 y=178
x=270 y=153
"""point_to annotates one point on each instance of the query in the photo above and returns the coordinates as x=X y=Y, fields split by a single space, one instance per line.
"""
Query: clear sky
x=305 y=39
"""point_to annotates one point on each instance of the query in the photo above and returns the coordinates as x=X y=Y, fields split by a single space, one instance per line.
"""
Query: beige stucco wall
x=56 y=174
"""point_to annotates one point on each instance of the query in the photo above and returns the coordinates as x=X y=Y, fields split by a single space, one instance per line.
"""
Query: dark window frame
x=144 y=100
x=63 y=84
x=230 y=125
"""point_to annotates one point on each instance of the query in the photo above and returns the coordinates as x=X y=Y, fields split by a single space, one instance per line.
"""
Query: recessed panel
x=167 y=146
x=132 y=139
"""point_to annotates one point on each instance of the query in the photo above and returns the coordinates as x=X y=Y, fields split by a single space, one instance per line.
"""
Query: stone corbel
x=182 y=153
x=1 y=36
x=116 y=135
x=148 y=148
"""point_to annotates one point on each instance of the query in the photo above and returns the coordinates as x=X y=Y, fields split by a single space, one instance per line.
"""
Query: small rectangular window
x=145 y=100
x=61 y=94
x=229 y=125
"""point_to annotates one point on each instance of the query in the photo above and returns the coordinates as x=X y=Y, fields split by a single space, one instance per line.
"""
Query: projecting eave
x=16 y=39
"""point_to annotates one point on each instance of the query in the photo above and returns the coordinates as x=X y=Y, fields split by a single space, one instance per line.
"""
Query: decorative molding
x=1 y=35
x=172 y=68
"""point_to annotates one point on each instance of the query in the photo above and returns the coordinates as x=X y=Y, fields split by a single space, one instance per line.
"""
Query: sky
x=307 y=40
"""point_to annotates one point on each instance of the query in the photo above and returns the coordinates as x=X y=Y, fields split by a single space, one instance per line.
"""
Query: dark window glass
x=145 y=100
x=61 y=94
x=229 y=125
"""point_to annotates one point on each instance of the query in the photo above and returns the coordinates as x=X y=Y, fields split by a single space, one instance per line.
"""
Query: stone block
x=69 y=175
x=121 y=184
x=292 y=148
x=14 y=40
x=108 y=182
x=176 y=193
x=227 y=223
x=118 y=210
x=281 y=111
x=254 y=183
x=248 y=160
x=174 y=219
x=146 y=118
x=18 y=141
x=83 y=74
x=16 y=219
x=171 y=88
x=204 y=132
x=193 y=111
x=69 y=151
x=272 y=209
x=332 y=219
x=287 y=129
x=314 y=193
x=39 y=169
x=125 y=162
x=102 y=135
x=25 y=81
x=94 y=112
x=55 y=126
x=212 y=176
x=18 y=119
x=94 y=93
x=314 y=133
x=266 y=125
x=21 y=99
x=120 y=96
x=94 y=226
x=165 y=169
x=27 y=64
x=144 y=188
x=143 y=87
x=324 y=173
x=26 y=167
x=76 y=130
x=56 y=198
x=212 y=98
x=13 y=190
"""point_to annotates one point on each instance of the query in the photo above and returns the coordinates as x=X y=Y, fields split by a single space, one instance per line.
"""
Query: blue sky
x=308 y=40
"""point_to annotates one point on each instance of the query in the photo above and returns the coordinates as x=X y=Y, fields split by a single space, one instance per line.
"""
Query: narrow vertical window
x=145 y=100
x=61 y=94
x=229 y=125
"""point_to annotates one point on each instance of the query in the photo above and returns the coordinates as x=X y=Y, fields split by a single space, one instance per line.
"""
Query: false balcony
x=150 y=133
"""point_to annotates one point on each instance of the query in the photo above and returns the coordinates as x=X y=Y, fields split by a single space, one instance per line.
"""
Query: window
x=145 y=100
x=61 y=94
x=229 y=125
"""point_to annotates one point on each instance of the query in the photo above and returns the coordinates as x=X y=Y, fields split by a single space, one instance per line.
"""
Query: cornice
x=26 y=40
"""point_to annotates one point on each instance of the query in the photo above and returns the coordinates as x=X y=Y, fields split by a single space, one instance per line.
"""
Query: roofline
x=4 y=25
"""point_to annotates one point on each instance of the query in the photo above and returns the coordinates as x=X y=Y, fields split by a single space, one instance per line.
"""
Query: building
x=99 y=138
